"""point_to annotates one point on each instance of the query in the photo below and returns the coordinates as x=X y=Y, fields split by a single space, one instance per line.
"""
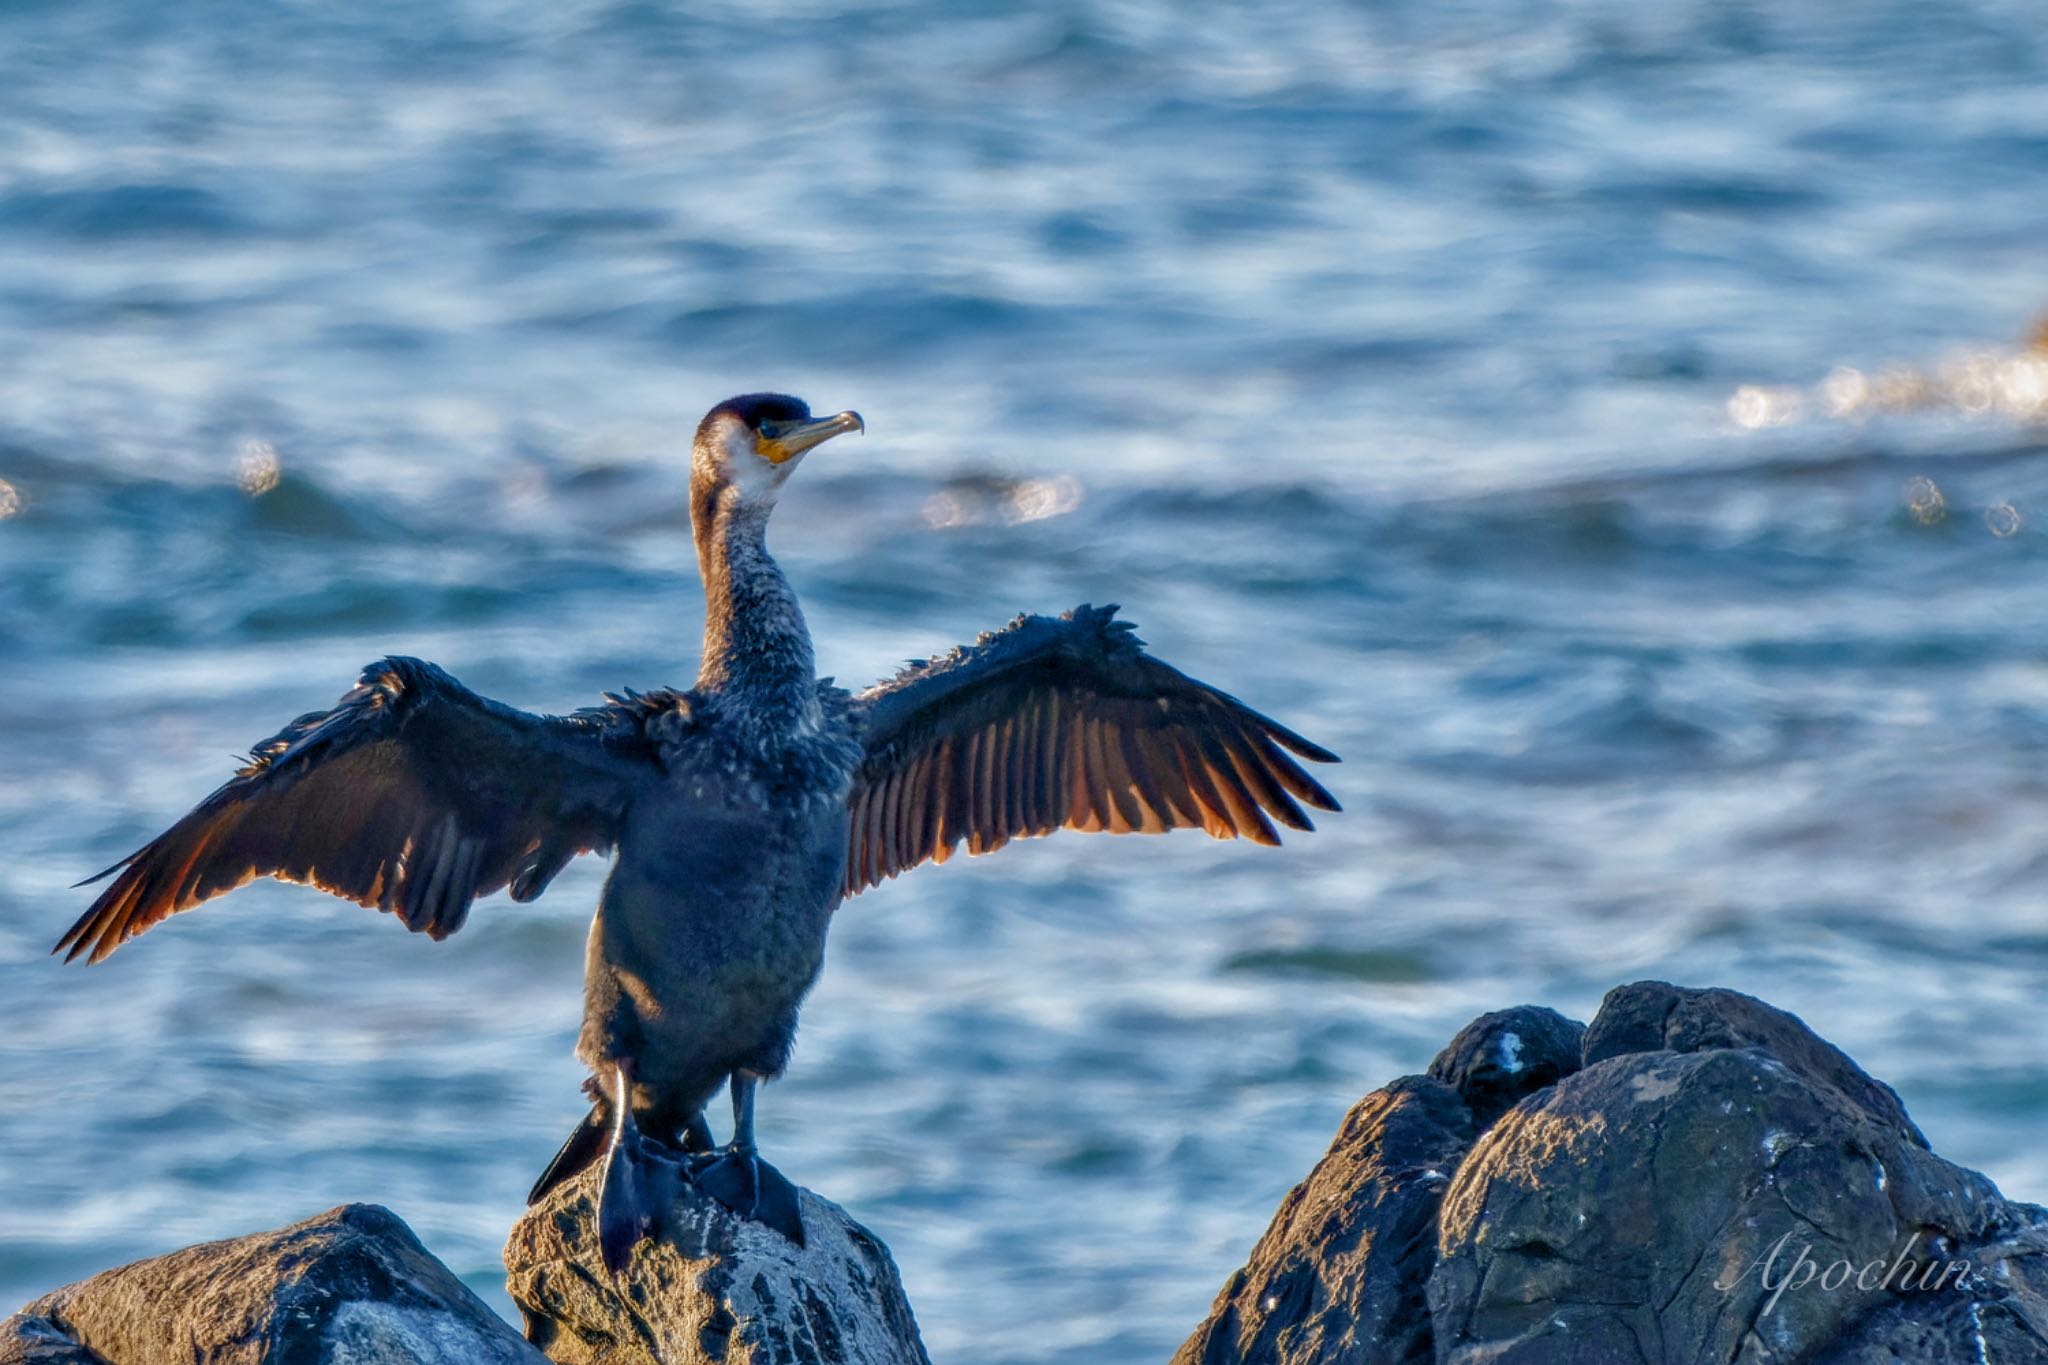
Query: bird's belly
x=709 y=935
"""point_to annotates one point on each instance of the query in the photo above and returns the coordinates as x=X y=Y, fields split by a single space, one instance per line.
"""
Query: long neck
x=756 y=646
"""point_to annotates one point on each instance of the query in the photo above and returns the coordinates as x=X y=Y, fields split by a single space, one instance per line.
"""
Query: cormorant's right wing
x=413 y=795
x=1066 y=722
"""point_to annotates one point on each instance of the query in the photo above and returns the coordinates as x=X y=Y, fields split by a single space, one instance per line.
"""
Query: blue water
x=1609 y=428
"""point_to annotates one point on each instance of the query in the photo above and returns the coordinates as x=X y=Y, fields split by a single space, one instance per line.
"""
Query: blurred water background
x=1608 y=426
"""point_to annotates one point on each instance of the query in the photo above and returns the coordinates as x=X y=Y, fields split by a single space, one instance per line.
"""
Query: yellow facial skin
x=780 y=442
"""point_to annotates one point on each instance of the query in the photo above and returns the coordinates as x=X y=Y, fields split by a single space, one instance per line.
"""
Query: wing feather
x=413 y=795
x=1063 y=722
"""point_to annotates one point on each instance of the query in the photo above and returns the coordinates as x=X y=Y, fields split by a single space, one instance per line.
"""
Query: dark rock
x=1717 y=1183
x=1980 y=1327
x=712 y=1289
x=1498 y=1058
x=1344 y=1264
x=1654 y=1016
x=350 y=1287
x=1623 y=1206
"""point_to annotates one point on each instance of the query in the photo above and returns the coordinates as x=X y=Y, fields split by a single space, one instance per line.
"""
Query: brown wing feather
x=413 y=795
x=1063 y=722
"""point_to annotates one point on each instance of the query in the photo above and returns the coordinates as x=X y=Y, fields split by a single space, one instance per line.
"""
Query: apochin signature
x=1803 y=1270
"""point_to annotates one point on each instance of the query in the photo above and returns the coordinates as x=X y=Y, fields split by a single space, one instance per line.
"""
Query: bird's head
x=747 y=446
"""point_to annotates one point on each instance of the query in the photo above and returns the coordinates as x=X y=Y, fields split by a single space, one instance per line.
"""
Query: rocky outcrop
x=1706 y=1180
x=352 y=1286
x=711 y=1289
x=1694 y=1177
x=355 y=1287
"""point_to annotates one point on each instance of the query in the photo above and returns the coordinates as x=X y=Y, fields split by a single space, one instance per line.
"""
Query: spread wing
x=1066 y=722
x=413 y=795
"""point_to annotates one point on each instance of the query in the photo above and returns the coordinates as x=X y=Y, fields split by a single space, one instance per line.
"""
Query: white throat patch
x=752 y=478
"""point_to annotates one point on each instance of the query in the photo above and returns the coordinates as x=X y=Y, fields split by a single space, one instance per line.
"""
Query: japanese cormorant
x=741 y=811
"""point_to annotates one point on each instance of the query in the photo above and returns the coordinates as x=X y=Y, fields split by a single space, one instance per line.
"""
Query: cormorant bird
x=741 y=811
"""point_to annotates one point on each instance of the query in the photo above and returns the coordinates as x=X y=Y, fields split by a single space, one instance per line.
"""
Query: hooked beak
x=783 y=441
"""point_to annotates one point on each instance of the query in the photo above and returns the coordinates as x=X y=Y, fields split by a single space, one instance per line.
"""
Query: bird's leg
x=740 y=1180
x=636 y=1187
x=697 y=1135
x=742 y=1146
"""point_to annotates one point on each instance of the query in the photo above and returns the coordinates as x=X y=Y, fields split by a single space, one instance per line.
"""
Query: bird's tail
x=584 y=1147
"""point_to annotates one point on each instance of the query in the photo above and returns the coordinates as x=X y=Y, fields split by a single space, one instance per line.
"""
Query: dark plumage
x=741 y=812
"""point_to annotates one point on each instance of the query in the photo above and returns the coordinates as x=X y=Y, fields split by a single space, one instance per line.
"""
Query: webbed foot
x=740 y=1180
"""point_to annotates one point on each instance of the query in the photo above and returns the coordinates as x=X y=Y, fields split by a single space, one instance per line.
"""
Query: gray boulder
x=711 y=1289
x=352 y=1286
x=1716 y=1183
x=26 y=1340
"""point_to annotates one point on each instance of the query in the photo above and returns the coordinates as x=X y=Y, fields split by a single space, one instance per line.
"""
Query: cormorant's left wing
x=1065 y=722
x=413 y=795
